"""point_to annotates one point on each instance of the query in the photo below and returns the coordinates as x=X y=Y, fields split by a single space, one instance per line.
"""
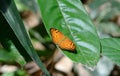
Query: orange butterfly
x=61 y=40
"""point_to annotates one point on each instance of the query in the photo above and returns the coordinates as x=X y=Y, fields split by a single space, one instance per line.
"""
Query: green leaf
x=5 y=56
x=19 y=35
x=14 y=53
x=111 y=49
x=109 y=28
x=70 y=17
x=11 y=54
x=95 y=4
x=8 y=74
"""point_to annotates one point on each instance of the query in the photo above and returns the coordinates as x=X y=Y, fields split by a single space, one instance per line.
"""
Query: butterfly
x=61 y=40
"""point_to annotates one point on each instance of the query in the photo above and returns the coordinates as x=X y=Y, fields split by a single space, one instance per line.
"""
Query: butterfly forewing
x=57 y=36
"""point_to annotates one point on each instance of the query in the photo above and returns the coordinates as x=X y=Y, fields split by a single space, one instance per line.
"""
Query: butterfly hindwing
x=67 y=44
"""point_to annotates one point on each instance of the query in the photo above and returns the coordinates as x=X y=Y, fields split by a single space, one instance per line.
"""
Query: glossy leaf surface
x=70 y=17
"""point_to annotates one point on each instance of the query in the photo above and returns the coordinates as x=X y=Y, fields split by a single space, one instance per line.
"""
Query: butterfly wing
x=67 y=44
x=57 y=36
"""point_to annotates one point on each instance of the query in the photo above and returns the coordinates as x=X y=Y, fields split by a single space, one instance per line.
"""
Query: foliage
x=69 y=17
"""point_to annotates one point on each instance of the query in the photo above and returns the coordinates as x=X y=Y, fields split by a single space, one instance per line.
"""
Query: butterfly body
x=61 y=40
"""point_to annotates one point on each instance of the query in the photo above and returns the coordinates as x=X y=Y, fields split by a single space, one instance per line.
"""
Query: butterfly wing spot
x=61 y=40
